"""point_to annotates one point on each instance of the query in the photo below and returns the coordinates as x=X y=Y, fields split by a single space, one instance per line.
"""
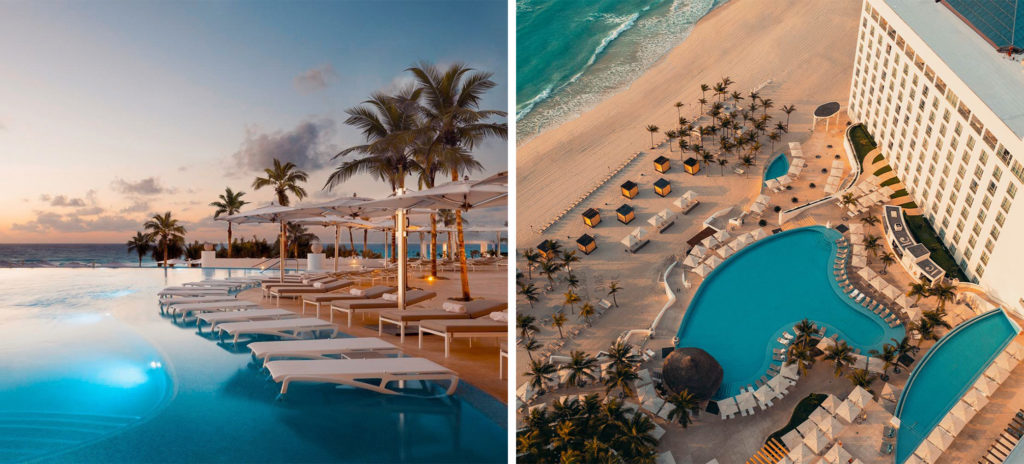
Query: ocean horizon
x=572 y=54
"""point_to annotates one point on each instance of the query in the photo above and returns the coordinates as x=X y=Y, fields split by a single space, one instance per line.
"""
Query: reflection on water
x=93 y=373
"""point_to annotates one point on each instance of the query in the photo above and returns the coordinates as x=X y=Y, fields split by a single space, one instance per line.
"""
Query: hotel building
x=940 y=87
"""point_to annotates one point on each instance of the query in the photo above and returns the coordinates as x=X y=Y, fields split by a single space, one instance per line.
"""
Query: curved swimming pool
x=777 y=167
x=746 y=303
x=944 y=374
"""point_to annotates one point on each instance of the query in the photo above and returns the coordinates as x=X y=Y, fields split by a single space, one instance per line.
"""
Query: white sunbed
x=195 y=299
x=191 y=291
x=318 y=287
x=465 y=328
x=282 y=328
x=319 y=299
x=351 y=307
x=258 y=314
x=325 y=348
x=357 y=373
x=215 y=284
x=186 y=309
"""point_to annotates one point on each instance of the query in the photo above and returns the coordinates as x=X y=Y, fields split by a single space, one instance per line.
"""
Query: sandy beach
x=804 y=47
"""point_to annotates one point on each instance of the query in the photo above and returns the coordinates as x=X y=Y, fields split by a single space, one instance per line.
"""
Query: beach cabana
x=940 y=438
x=702 y=270
x=831 y=403
x=848 y=411
x=838 y=455
x=586 y=244
x=860 y=396
x=629 y=189
x=699 y=251
x=693 y=370
x=592 y=217
x=691 y=261
x=625 y=214
x=928 y=452
x=635 y=240
x=691 y=165
x=663 y=220
x=662 y=164
x=725 y=252
x=662 y=187
x=686 y=201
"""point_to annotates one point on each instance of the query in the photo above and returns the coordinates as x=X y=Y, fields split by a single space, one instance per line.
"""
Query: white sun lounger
x=195 y=299
x=351 y=307
x=320 y=287
x=357 y=373
x=319 y=299
x=304 y=283
x=325 y=348
x=259 y=314
x=191 y=291
x=283 y=328
x=215 y=284
x=465 y=328
x=471 y=310
x=186 y=309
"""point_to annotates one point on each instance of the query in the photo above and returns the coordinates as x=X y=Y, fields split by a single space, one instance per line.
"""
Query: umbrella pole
x=403 y=257
x=337 y=242
x=281 y=261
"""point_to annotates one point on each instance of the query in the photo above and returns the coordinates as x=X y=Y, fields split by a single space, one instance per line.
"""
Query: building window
x=997 y=173
x=980 y=270
x=964 y=111
x=1005 y=205
x=1000 y=218
x=989 y=139
x=1011 y=190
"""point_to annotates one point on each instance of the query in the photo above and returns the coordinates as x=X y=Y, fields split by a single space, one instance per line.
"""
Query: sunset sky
x=113 y=111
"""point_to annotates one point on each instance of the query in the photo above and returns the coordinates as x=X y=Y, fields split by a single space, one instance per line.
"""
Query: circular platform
x=826 y=110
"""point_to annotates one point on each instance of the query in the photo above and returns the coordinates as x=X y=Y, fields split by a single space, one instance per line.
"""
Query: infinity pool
x=93 y=373
x=777 y=167
x=746 y=303
x=945 y=373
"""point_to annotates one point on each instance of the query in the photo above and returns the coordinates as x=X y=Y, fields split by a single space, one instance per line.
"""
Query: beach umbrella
x=792 y=439
x=778 y=384
x=728 y=406
x=859 y=261
x=819 y=415
x=459 y=196
x=713 y=261
x=764 y=394
x=758 y=234
x=806 y=428
x=963 y=411
x=1005 y=361
x=974 y=398
x=986 y=386
x=722 y=236
x=703 y=270
x=856 y=238
x=699 y=251
x=848 y=410
x=691 y=261
x=802 y=455
x=831 y=403
x=837 y=455
x=997 y=373
x=860 y=396
x=856 y=228
x=953 y=424
x=745 y=239
x=903 y=300
x=890 y=392
x=1016 y=351
x=725 y=252
x=824 y=344
x=940 y=438
x=891 y=292
x=630 y=241
x=746 y=400
x=709 y=241
x=878 y=283
x=928 y=452
x=816 y=441
x=914 y=459
x=831 y=427
x=266 y=214
x=790 y=371
x=338 y=222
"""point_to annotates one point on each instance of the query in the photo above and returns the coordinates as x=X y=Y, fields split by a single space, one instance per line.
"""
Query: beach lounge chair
x=194 y=299
x=188 y=308
x=358 y=373
x=325 y=348
x=306 y=283
x=319 y=299
x=466 y=328
x=350 y=307
x=282 y=328
x=471 y=310
x=191 y=291
x=319 y=287
x=259 y=314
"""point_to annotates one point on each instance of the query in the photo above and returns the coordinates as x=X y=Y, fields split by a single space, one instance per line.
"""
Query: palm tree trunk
x=283 y=254
x=463 y=271
x=229 y=240
x=365 y=233
x=351 y=241
x=394 y=244
x=165 y=252
x=433 y=245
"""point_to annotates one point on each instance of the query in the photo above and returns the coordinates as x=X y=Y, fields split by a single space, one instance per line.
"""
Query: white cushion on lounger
x=454 y=307
x=358 y=292
x=501 y=316
x=390 y=296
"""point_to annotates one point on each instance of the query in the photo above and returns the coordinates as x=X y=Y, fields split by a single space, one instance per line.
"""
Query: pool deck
x=477 y=366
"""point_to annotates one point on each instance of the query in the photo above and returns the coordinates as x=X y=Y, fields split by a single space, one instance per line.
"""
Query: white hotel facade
x=947 y=111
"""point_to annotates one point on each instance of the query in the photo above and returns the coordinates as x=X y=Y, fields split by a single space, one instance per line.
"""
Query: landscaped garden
x=924 y=233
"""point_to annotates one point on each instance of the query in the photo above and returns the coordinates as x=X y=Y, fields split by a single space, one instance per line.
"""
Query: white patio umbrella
x=891 y=292
x=963 y=411
x=266 y=214
x=889 y=392
x=758 y=234
x=847 y=411
x=997 y=373
x=856 y=228
x=713 y=261
x=802 y=455
x=940 y=438
x=928 y=452
x=831 y=403
x=878 y=282
x=691 y=261
x=722 y=235
x=837 y=455
x=790 y=371
x=725 y=252
x=860 y=396
x=859 y=261
x=816 y=441
x=914 y=459
x=699 y=251
x=819 y=415
x=728 y=406
x=764 y=394
x=856 y=238
x=1016 y=351
x=792 y=439
x=703 y=270
x=460 y=196
x=806 y=428
x=953 y=424
x=831 y=427
x=709 y=241
x=1005 y=361
x=974 y=398
x=903 y=300
x=736 y=244
x=746 y=400
x=986 y=386
x=338 y=222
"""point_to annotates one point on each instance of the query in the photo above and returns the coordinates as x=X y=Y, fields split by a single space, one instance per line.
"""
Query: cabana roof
x=591 y=213
x=661 y=183
x=629 y=185
x=585 y=240
x=624 y=210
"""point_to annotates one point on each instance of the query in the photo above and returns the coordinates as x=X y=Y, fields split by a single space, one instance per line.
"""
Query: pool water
x=945 y=373
x=93 y=373
x=745 y=304
x=777 y=167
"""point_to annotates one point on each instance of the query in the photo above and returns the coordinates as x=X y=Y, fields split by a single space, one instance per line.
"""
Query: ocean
x=571 y=54
x=117 y=255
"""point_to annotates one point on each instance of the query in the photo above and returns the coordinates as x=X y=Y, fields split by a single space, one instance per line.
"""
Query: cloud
x=47 y=221
x=306 y=146
x=316 y=79
x=147 y=186
x=91 y=211
x=137 y=206
x=61 y=200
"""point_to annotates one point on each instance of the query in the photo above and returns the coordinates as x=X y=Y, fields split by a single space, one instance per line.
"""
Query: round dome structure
x=694 y=370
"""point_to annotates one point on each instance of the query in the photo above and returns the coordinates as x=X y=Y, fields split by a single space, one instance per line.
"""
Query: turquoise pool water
x=944 y=374
x=93 y=373
x=777 y=167
x=746 y=303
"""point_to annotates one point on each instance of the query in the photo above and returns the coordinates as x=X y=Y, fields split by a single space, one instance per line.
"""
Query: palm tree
x=529 y=291
x=581 y=367
x=586 y=312
x=888 y=357
x=788 y=109
x=766 y=103
x=141 y=243
x=684 y=402
x=451 y=110
x=867 y=220
x=802 y=355
x=678 y=106
x=704 y=88
x=671 y=135
x=230 y=203
x=568 y=258
x=774 y=136
x=297 y=235
x=621 y=354
x=886 y=259
x=722 y=162
x=903 y=348
x=613 y=288
x=707 y=157
x=532 y=258
x=862 y=378
x=872 y=243
x=571 y=281
x=636 y=441
x=848 y=199
x=805 y=332
x=841 y=356
x=167 y=230
x=284 y=179
x=943 y=293
x=550 y=268
x=621 y=377
x=703 y=101
x=558 y=320
x=918 y=290
x=747 y=161
x=526 y=324
x=571 y=298
x=531 y=443
x=925 y=329
x=720 y=89
x=531 y=344
x=653 y=130
x=540 y=374
x=936 y=318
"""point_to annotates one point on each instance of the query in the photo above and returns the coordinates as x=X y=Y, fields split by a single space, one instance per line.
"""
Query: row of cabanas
x=587 y=194
x=976 y=397
x=713 y=249
x=817 y=439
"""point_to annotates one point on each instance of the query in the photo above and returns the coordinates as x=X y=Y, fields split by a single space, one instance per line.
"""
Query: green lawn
x=899 y=193
x=878 y=158
x=909 y=205
x=862 y=142
x=883 y=170
x=892 y=181
x=802 y=411
x=924 y=233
